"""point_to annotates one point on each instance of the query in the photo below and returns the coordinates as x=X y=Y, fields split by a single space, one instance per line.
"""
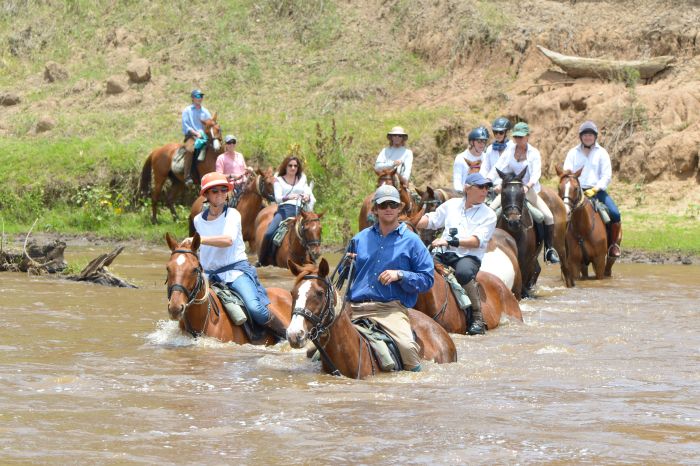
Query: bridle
x=260 y=186
x=579 y=195
x=201 y=283
x=508 y=209
x=300 y=229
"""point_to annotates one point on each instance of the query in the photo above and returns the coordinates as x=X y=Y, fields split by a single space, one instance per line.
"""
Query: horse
x=160 y=161
x=302 y=241
x=318 y=316
x=430 y=200
x=586 y=239
x=556 y=206
x=198 y=309
x=258 y=189
x=439 y=302
x=388 y=176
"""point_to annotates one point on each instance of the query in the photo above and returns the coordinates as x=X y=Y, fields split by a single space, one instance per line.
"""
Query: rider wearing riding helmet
x=292 y=193
x=474 y=223
x=396 y=155
x=595 y=178
x=514 y=160
x=222 y=252
x=193 y=117
x=470 y=160
x=493 y=152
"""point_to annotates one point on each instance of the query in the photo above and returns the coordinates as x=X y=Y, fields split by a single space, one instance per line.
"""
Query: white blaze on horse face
x=217 y=144
x=180 y=260
x=567 y=189
x=297 y=324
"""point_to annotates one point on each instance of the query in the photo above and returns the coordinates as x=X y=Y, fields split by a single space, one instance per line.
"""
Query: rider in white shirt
x=471 y=159
x=396 y=154
x=493 y=152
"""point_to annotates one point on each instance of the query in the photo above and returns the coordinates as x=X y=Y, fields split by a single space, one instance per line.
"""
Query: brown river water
x=607 y=372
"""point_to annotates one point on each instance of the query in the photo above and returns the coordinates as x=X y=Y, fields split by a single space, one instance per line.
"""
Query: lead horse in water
x=196 y=306
x=159 y=166
x=319 y=316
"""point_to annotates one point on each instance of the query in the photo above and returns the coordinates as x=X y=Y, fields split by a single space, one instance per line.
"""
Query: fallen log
x=35 y=259
x=96 y=271
x=580 y=67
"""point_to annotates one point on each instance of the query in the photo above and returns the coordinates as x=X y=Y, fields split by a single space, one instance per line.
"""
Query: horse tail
x=145 y=183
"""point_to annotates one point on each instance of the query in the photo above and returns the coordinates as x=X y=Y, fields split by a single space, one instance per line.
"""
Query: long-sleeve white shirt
x=489 y=159
x=283 y=190
x=479 y=220
x=460 y=168
x=389 y=155
x=507 y=164
x=597 y=169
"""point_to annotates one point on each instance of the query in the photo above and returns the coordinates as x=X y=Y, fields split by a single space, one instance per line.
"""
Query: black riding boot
x=550 y=254
x=477 y=326
x=275 y=325
x=189 y=163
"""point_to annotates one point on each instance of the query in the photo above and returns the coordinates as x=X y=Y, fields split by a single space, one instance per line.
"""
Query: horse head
x=513 y=198
x=185 y=278
x=313 y=303
x=474 y=167
x=570 y=190
x=265 y=184
x=387 y=176
x=213 y=130
x=308 y=228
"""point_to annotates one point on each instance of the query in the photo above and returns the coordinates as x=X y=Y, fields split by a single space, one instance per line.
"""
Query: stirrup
x=551 y=256
x=614 y=250
x=189 y=181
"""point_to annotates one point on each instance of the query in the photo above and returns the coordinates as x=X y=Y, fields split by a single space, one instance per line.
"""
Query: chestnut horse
x=302 y=243
x=197 y=307
x=388 y=176
x=258 y=189
x=586 y=239
x=160 y=162
x=318 y=316
x=440 y=304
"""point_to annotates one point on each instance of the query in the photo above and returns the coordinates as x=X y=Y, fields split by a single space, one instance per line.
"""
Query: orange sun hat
x=214 y=179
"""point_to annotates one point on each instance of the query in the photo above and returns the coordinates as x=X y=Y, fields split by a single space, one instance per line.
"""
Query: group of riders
x=391 y=265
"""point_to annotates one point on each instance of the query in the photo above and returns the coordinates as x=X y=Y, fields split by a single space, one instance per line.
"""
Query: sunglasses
x=292 y=165
x=482 y=187
x=499 y=132
x=388 y=205
x=231 y=142
x=217 y=191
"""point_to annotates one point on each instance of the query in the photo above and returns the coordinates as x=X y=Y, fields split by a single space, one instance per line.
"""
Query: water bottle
x=235 y=312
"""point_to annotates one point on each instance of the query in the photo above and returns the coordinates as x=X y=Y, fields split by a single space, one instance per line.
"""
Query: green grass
x=661 y=233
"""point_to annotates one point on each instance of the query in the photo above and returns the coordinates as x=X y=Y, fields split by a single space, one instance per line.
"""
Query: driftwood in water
x=579 y=67
x=35 y=259
x=96 y=271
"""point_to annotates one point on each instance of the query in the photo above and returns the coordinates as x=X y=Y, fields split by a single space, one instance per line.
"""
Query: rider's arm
x=535 y=168
x=405 y=172
x=421 y=276
x=605 y=173
x=382 y=163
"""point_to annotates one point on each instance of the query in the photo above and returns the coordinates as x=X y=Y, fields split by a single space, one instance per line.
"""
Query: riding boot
x=550 y=254
x=477 y=326
x=275 y=325
x=264 y=258
x=614 y=239
x=189 y=157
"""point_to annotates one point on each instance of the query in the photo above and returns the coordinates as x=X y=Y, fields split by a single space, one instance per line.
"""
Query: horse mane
x=306 y=269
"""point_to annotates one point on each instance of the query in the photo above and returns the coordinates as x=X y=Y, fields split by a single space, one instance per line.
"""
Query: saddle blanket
x=178 y=165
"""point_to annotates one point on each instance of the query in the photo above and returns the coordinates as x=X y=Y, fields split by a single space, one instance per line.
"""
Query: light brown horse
x=258 y=190
x=586 y=239
x=440 y=304
x=388 y=176
x=196 y=306
x=556 y=206
x=160 y=162
x=316 y=317
x=302 y=243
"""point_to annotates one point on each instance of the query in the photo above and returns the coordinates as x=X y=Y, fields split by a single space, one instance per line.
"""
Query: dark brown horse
x=440 y=304
x=388 y=176
x=258 y=190
x=302 y=243
x=586 y=240
x=196 y=306
x=160 y=162
x=316 y=317
x=430 y=200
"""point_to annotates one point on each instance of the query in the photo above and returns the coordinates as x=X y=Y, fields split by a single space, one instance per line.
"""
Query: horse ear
x=430 y=191
x=215 y=116
x=196 y=240
x=320 y=215
x=420 y=193
x=521 y=175
x=501 y=174
x=578 y=173
x=172 y=242
x=323 y=268
x=560 y=170
x=293 y=267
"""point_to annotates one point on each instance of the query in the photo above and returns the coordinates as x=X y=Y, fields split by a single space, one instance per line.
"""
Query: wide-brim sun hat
x=521 y=129
x=213 y=179
x=397 y=131
x=386 y=192
x=477 y=179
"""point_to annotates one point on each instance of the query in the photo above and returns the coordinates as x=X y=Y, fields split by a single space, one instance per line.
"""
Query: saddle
x=602 y=210
x=383 y=346
x=178 y=164
x=281 y=231
x=238 y=313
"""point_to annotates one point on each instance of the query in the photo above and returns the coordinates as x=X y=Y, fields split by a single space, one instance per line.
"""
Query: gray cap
x=386 y=192
x=230 y=138
x=477 y=179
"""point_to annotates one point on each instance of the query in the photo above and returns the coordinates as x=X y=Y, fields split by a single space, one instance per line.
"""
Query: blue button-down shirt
x=401 y=250
x=192 y=118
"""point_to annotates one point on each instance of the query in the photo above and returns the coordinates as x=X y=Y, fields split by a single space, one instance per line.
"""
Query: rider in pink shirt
x=232 y=164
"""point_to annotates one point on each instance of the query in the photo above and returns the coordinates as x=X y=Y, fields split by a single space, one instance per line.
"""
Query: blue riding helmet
x=479 y=133
x=197 y=94
x=500 y=124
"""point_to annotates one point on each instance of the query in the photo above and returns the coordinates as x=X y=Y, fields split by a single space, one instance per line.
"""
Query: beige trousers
x=393 y=317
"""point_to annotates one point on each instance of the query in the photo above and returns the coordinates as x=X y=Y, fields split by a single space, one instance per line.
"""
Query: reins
x=201 y=283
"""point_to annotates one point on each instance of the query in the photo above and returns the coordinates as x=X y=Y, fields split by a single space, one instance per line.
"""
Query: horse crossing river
x=605 y=372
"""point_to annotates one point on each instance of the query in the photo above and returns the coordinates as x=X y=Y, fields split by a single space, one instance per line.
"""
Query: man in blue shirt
x=193 y=129
x=392 y=266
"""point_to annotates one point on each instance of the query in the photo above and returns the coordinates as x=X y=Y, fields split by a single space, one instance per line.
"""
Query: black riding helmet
x=500 y=124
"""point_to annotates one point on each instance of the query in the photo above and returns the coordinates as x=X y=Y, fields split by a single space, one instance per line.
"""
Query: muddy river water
x=607 y=372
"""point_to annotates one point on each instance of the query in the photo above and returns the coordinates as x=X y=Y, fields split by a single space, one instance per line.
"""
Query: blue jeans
x=245 y=287
x=283 y=211
x=614 y=212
